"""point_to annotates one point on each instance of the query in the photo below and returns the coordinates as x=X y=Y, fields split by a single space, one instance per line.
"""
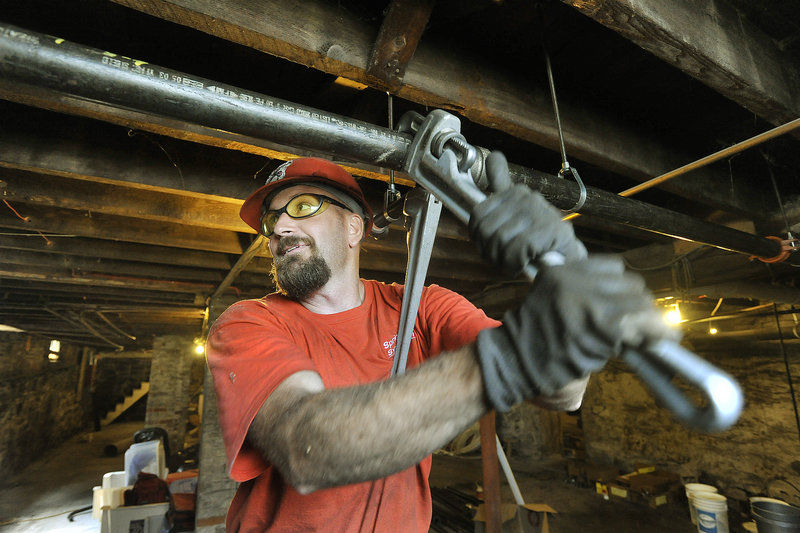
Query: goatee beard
x=295 y=277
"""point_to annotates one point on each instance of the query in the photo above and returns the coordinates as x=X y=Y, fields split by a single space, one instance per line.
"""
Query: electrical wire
x=133 y=133
x=777 y=192
x=788 y=369
x=40 y=234
x=665 y=265
x=34 y=519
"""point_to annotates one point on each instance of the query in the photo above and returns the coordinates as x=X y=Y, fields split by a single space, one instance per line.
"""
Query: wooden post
x=491 y=475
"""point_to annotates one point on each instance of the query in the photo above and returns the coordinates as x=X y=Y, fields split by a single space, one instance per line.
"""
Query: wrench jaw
x=440 y=175
x=438 y=164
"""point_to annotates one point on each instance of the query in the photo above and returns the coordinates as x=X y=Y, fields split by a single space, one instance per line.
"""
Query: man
x=319 y=436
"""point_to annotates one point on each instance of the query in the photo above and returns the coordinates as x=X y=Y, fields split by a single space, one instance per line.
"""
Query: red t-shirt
x=256 y=344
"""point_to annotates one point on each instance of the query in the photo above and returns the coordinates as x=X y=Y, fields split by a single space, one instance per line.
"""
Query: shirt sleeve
x=249 y=354
x=450 y=320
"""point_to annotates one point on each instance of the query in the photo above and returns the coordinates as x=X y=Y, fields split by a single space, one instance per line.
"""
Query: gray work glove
x=575 y=317
x=516 y=225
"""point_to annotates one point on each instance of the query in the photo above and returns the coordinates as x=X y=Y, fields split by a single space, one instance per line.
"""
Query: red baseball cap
x=310 y=170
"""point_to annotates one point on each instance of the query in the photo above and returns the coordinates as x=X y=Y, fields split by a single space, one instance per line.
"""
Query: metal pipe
x=707 y=160
x=30 y=60
x=648 y=217
x=716 y=156
x=240 y=265
x=95 y=83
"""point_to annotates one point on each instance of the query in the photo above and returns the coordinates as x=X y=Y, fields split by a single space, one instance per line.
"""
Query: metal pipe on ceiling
x=41 y=70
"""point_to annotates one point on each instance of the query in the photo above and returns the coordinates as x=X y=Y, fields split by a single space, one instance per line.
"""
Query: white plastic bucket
x=712 y=512
x=692 y=488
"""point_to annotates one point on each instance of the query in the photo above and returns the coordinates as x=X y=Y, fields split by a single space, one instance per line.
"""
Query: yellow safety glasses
x=301 y=206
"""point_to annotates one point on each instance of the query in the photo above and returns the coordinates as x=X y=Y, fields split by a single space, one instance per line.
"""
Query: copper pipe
x=707 y=160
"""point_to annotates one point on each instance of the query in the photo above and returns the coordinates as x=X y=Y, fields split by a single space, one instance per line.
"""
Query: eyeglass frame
x=323 y=200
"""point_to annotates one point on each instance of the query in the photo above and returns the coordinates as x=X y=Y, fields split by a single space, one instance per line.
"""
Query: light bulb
x=673 y=316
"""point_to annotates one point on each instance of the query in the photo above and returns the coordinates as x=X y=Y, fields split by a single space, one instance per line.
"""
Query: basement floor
x=41 y=498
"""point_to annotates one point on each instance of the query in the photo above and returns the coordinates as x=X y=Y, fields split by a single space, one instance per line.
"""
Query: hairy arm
x=320 y=438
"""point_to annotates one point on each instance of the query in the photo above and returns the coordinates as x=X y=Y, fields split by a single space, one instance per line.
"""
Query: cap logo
x=279 y=173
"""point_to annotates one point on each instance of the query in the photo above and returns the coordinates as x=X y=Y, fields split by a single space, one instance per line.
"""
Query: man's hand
x=516 y=225
x=575 y=317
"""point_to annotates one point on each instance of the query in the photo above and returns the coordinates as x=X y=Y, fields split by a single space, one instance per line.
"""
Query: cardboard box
x=528 y=518
x=151 y=518
x=110 y=498
x=601 y=473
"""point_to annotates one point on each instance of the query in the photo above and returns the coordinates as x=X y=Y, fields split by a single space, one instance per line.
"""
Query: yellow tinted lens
x=303 y=206
x=268 y=222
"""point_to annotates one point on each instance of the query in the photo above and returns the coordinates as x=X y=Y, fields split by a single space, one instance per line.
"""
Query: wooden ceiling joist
x=319 y=36
x=711 y=42
x=397 y=40
x=117 y=199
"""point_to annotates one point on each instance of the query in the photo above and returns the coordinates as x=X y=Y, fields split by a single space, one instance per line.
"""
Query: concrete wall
x=758 y=455
x=41 y=405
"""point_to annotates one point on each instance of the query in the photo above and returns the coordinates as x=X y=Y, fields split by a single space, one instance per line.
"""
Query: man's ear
x=355 y=229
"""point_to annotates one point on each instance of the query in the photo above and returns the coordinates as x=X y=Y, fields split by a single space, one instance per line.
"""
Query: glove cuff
x=503 y=378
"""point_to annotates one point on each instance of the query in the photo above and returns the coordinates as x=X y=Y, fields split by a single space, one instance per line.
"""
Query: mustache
x=290 y=241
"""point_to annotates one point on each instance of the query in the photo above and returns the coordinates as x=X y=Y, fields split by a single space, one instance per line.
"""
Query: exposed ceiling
x=120 y=205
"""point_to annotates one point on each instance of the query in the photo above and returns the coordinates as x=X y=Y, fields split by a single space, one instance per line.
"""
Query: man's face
x=305 y=250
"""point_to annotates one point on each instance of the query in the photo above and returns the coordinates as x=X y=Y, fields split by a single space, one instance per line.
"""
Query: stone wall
x=758 y=455
x=529 y=433
x=215 y=489
x=174 y=360
x=42 y=404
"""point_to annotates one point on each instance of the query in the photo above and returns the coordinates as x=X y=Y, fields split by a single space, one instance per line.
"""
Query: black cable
x=788 y=370
x=777 y=192
x=665 y=265
x=72 y=514
x=132 y=133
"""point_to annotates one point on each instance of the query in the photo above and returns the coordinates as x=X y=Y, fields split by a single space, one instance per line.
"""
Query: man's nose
x=285 y=225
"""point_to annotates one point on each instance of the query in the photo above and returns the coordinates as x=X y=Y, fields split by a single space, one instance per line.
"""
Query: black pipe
x=36 y=64
x=30 y=60
x=612 y=207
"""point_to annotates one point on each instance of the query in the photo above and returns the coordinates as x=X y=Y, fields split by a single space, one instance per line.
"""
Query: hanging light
x=712 y=330
x=55 y=350
x=199 y=346
x=673 y=315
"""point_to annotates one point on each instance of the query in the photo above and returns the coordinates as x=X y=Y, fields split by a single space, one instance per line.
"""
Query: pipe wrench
x=448 y=167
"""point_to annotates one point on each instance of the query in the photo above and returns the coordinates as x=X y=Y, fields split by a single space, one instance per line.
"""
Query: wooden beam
x=491 y=474
x=58 y=221
x=714 y=44
x=668 y=272
x=42 y=142
x=93 y=265
x=240 y=265
x=104 y=249
x=319 y=36
x=63 y=145
x=34 y=291
x=118 y=199
x=55 y=275
x=397 y=40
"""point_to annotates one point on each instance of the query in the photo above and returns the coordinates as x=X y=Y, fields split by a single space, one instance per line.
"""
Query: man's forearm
x=347 y=435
